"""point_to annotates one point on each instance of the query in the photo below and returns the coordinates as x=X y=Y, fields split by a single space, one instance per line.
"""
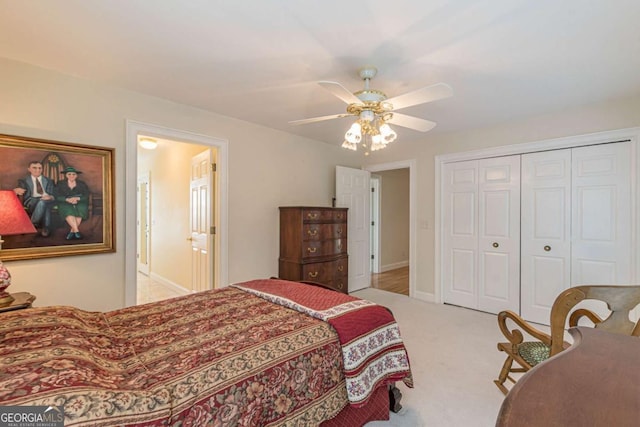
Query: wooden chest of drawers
x=313 y=245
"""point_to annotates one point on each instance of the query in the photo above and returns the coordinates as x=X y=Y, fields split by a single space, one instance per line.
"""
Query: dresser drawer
x=317 y=272
x=336 y=231
x=323 y=248
x=334 y=274
x=339 y=216
x=317 y=231
x=317 y=215
x=313 y=231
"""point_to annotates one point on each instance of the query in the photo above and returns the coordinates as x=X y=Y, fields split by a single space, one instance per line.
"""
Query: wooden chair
x=619 y=299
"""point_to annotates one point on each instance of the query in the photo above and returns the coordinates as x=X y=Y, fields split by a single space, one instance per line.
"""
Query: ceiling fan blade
x=420 y=96
x=318 y=119
x=341 y=92
x=412 y=122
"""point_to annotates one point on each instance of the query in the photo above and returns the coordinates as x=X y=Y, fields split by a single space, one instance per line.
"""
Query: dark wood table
x=596 y=382
x=21 y=301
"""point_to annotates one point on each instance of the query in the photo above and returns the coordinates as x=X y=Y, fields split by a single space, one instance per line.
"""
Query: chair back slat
x=621 y=300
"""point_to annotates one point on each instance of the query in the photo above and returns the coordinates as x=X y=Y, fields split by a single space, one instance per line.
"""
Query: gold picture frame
x=94 y=173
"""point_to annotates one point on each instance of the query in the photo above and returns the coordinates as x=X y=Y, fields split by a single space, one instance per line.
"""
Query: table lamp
x=13 y=220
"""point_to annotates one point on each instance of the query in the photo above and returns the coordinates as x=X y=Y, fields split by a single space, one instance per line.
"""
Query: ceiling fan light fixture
x=388 y=134
x=377 y=143
x=367 y=116
x=350 y=145
x=354 y=134
x=373 y=110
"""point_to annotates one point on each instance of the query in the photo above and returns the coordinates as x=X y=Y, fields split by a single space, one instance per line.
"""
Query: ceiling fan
x=375 y=111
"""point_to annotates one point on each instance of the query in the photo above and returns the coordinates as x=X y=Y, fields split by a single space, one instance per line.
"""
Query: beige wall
x=615 y=114
x=267 y=168
x=394 y=218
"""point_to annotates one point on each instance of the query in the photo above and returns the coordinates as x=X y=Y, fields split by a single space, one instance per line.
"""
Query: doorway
x=390 y=230
x=393 y=263
x=169 y=217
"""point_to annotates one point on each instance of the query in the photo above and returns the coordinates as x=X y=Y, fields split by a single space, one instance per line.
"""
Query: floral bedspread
x=222 y=357
x=372 y=349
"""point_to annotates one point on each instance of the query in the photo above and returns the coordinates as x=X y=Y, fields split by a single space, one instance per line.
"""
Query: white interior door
x=460 y=233
x=499 y=234
x=354 y=192
x=546 y=231
x=601 y=214
x=201 y=219
x=143 y=223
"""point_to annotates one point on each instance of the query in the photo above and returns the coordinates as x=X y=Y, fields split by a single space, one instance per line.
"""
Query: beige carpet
x=454 y=362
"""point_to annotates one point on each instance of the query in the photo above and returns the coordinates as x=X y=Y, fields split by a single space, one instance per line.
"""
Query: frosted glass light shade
x=354 y=134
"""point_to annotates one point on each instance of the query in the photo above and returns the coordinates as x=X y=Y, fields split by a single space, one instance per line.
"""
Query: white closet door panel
x=463 y=272
x=549 y=278
x=495 y=274
x=546 y=231
x=460 y=240
x=601 y=251
x=499 y=234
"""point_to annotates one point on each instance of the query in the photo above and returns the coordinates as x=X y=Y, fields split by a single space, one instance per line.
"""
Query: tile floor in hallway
x=150 y=290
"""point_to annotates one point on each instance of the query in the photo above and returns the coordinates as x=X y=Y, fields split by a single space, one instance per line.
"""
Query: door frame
x=221 y=261
x=375 y=223
x=629 y=134
x=143 y=178
x=413 y=173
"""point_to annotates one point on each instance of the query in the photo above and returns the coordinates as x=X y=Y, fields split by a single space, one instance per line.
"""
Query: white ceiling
x=259 y=60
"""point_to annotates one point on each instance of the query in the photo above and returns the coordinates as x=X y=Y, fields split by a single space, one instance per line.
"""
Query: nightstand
x=21 y=300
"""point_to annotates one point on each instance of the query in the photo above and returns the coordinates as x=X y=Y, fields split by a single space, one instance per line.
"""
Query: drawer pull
x=312 y=250
x=340 y=285
x=312 y=233
x=339 y=245
x=341 y=268
x=313 y=274
x=339 y=230
x=495 y=244
x=547 y=248
x=313 y=215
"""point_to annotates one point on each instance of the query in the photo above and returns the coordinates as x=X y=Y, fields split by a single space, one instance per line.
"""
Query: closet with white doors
x=482 y=223
x=517 y=230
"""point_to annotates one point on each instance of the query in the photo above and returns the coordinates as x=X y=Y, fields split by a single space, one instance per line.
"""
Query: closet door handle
x=547 y=248
x=495 y=244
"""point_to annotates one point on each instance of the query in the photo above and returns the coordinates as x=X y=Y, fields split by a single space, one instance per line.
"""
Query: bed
x=259 y=353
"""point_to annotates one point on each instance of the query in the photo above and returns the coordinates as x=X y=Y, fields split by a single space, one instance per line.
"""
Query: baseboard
x=424 y=296
x=394 y=266
x=168 y=283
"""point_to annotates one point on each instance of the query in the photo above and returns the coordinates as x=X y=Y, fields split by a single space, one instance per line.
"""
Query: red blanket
x=372 y=348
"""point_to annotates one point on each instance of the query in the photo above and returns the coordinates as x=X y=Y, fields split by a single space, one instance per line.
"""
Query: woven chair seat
x=533 y=352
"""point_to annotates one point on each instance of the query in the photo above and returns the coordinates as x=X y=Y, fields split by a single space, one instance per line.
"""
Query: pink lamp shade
x=13 y=220
x=13 y=217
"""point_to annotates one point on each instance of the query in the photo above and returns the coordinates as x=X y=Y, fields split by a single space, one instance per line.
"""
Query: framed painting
x=66 y=190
